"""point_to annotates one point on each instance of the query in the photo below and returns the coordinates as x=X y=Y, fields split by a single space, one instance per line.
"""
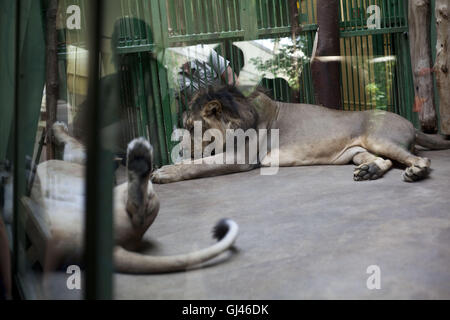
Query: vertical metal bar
x=99 y=177
x=201 y=15
x=352 y=73
x=389 y=13
x=19 y=165
x=274 y=15
x=345 y=15
x=307 y=12
x=227 y=4
x=205 y=15
x=158 y=112
x=383 y=12
x=220 y=15
x=281 y=6
x=261 y=19
x=248 y=19
x=369 y=73
x=236 y=16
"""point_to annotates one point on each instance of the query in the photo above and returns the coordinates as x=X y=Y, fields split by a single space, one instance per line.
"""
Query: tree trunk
x=51 y=73
x=441 y=67
x=419 y=18
x=325 y=65
x=295 y=31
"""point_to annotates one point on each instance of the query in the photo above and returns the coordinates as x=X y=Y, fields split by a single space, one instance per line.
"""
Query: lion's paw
x=367 y=171
x=167 y=174
x=415 y=173
x=139 y=156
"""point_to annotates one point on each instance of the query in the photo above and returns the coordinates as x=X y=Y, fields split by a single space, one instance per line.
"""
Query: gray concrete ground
x=306 y=233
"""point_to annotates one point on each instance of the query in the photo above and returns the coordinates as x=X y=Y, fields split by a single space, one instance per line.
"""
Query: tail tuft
x=61 y=126
x=221 y=229
x=139 y=156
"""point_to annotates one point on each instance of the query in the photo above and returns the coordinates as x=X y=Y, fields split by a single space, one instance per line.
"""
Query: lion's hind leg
x=417 y=169
x=369 y=166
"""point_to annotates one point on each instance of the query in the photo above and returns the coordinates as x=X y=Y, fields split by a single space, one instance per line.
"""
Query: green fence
x=375 y=65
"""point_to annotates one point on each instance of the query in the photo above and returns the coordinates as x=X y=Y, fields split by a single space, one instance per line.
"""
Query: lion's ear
x=212 y=108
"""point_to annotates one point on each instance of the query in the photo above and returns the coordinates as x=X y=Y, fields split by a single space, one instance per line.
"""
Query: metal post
x=99 y=176
x=18 y=188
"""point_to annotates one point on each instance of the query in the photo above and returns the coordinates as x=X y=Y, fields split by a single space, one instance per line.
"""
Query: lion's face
x=209 y=116
x=219 y=109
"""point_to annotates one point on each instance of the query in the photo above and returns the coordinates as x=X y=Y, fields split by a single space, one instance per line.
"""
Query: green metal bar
x=312 y=10
x=264 y=17
x=7 y=73
x=389 y=18
x=166 y=107
x=274 y=15
x=227 y=4
x=141 y=94
x=352 y=74
x=173 y=41
x=188 y=16
x=159 y=116
x=158 y=38
x=198 y=5
x=344 y=41
x=248 y=19
x=346 y=34
x=19 y=163
x=236 y=16
x=400 y=80
x=99 y=176
x=383 y=13
x=363 y=58
x=163 y=25
x=281 y=7
x=346 y=71
x=172 y=14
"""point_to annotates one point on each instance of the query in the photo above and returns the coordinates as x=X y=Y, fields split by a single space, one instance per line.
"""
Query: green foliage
x=288 y=61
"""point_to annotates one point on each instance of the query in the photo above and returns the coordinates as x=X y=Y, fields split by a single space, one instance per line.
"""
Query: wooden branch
x=325 y=71
x=442 y=65
x=52 y=87
x=419 y=17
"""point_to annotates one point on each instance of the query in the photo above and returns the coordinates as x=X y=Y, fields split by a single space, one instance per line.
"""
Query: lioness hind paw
x=367 y=171
x=415 y=173
x=139 y=156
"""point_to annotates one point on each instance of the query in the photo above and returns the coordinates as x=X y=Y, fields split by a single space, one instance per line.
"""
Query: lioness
x=59 y=189
x=308 y=135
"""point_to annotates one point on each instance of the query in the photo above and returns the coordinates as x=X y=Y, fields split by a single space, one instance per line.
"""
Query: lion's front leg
x=206 y=167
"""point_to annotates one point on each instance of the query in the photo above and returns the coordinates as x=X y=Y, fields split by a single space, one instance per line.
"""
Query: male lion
x=308 y=135
x=59 y=189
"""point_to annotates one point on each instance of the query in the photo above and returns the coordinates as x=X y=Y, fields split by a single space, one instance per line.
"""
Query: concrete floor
x=306 y=233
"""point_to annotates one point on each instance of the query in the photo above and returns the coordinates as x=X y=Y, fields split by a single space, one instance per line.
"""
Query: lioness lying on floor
x=59 y=189
x=308 y=135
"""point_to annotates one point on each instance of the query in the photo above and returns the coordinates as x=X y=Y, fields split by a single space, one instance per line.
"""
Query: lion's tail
x=126 y=261
x=432 y=141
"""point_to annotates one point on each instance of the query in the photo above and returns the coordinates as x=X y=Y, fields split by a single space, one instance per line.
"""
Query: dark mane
x=237 y=109
x=228 y=96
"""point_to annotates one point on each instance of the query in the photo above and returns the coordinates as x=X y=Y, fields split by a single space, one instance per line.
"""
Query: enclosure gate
x=375 y=65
